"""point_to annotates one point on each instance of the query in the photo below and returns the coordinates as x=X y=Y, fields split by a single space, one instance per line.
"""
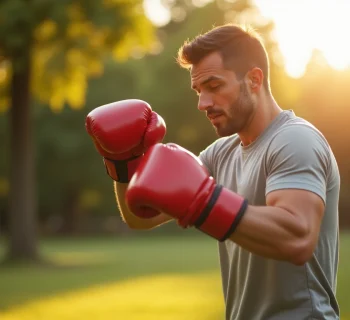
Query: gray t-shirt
x=290 y=153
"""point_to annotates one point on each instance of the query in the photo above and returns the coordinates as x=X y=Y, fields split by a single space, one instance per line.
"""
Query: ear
x=255 y=78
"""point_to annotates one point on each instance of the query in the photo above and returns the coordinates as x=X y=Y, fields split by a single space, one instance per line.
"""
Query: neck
x=267 y=110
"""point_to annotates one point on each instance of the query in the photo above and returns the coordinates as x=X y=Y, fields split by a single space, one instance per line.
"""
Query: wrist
x=222 y=214
x=122 y=170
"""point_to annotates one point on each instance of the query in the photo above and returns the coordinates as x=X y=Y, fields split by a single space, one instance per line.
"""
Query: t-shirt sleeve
x=298 y=158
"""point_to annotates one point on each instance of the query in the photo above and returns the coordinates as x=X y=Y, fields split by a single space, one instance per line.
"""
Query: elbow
x=301 y=258
x=300 y=251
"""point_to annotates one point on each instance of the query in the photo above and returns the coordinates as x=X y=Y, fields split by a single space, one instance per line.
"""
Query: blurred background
x=65 y=252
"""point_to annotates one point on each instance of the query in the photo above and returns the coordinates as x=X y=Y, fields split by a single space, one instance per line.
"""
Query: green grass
x=128 y=278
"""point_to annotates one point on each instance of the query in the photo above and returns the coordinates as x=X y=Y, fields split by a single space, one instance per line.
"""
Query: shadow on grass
x=58 y=262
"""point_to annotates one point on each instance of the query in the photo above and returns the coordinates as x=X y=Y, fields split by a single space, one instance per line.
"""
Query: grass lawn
x=128 y=278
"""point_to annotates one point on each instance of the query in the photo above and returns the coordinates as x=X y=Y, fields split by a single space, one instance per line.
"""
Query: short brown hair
x=241 y=49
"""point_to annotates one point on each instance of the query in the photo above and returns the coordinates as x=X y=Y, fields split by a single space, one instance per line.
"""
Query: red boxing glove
x=172 y=180
x=122 y=131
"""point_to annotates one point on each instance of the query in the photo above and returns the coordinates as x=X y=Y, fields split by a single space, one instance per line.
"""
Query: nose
x=204 y=102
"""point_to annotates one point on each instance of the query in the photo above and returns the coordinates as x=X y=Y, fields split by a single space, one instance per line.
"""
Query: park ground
x=129 y=277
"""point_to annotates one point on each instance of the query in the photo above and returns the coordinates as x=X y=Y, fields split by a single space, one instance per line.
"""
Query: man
x=267 y=189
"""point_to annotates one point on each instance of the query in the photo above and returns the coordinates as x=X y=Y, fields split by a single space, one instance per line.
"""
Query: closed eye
x=215 y=87
x=210 y=85
x=210 y=88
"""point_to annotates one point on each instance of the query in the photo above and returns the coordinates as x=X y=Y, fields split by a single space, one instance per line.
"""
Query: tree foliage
x=68 y=41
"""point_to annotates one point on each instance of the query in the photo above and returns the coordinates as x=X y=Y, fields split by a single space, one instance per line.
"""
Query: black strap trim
x=235 y=223
x=121 y=168
x=206 y=211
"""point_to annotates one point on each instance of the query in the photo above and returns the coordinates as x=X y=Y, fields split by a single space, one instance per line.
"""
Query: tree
x=48 y=49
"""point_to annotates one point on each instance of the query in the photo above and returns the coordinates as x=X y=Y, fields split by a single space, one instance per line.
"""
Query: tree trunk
x=22 y=205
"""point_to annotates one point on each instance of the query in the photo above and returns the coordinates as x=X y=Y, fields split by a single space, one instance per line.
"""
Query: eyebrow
x=211 y=78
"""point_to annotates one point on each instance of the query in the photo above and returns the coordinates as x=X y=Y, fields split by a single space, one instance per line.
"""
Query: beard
x=238 y=115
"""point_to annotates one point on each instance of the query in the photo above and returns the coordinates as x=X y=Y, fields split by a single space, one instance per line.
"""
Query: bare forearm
x=274 y=233
x=129 y=218
x=120 y=190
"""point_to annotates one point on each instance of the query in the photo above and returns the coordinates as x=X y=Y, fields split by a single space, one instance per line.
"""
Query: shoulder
x=299 y=132
x=299 y=142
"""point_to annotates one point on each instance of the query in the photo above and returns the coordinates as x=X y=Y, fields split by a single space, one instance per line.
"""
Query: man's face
x=225 y=99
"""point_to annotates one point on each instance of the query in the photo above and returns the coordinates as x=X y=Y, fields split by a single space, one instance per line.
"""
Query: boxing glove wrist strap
x=122 y=170
x=222 y=214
